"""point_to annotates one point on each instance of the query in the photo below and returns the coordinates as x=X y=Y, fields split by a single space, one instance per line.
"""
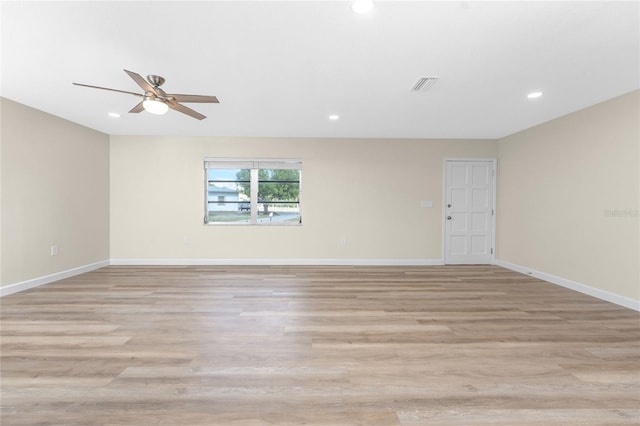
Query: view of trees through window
x=275 y=187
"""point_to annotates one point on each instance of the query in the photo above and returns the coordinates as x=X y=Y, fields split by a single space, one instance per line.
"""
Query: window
x=261 y=192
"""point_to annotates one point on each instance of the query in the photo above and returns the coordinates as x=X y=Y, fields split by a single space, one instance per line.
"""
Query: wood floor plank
x=330 y=345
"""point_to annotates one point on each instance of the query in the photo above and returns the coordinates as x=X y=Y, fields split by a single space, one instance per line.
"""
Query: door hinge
x=491 y=251
x=491 y=212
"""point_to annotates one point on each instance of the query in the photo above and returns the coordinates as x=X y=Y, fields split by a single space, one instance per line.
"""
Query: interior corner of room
x=75 y=199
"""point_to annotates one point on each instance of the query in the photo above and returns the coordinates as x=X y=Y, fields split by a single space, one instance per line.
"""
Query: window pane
x=279 y=195
x=228 y=195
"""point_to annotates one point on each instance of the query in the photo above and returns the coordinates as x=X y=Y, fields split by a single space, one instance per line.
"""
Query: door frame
x=494 y=162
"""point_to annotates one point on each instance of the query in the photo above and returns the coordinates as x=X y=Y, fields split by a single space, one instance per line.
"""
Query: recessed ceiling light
x=114 y=115
x=362 y=7
x=534 y=95
x=334 y=117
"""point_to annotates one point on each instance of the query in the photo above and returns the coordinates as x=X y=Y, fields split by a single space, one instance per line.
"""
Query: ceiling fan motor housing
x=155 y=80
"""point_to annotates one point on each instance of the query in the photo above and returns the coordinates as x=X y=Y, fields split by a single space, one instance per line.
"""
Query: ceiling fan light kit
x=157 y=101
x=154 y=106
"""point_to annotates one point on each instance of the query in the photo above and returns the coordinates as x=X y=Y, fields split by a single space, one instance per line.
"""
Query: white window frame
x=253 y=165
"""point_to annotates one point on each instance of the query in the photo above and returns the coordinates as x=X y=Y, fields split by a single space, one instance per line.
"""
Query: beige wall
x=366 y=191
x=55 y=186
x=568 y=197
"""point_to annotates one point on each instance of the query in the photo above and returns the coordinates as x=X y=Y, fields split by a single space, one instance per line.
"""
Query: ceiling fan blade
x=194 y=98
x=106 y=88
x=137 y=108
x=144 y=84
x=185 y=110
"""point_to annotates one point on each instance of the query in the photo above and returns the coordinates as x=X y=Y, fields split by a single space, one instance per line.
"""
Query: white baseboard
x=573 y=285
x=277 y=262
x=36 y=282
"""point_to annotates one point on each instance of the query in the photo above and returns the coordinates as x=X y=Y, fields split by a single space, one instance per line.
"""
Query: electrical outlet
x=343 y=240
x=54 y=250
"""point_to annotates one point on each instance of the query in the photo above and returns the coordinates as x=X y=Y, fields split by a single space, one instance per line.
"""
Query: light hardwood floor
x=316 y=345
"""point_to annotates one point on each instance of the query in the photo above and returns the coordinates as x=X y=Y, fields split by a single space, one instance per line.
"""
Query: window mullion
x=254 y=195
x=206 y=194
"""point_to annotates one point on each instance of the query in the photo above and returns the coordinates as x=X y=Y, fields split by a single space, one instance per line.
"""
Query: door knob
x=448 y=217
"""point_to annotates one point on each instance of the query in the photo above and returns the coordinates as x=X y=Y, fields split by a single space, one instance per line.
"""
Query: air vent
x=424 y=83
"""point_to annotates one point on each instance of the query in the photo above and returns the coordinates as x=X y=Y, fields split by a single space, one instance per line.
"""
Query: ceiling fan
x=157 y=101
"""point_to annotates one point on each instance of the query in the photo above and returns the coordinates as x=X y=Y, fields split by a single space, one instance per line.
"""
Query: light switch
x=426 y=203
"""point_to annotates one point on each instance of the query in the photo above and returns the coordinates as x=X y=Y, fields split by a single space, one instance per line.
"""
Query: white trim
x=277 y=262
x=253 y=162
x=467 y=159
x=36 y=282
x=494 y=161
x=573 y=285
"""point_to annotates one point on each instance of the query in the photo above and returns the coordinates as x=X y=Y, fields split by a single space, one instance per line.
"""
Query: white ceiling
x=280 y=68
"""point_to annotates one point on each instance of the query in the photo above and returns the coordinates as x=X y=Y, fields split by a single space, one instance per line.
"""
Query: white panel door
x=469 y=210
